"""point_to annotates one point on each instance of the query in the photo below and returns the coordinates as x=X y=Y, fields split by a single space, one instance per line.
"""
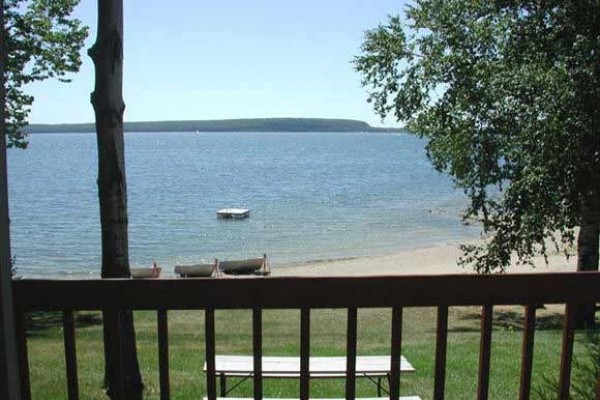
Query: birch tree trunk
x=122 y=375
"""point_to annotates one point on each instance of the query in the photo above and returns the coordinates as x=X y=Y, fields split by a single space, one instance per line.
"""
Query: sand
x=424 y=261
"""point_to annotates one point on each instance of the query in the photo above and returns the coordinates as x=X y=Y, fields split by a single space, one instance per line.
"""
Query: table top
x=278 y=398
x=324 y=367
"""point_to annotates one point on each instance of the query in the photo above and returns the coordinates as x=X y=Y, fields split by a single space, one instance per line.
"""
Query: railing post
x=527 y=353
x=163 y=353
x=441 y=343
x=564 y=381
x=351 y=354
x=209 y=334
x=21 y=328
x=395 y=354
x=304 y=353
x=485 y=350
x=70 y=355
x=257 y=352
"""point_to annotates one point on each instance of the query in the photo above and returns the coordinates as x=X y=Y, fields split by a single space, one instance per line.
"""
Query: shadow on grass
x=39 y=322
x=463 y=329
x=508 y=319
x=516 y=321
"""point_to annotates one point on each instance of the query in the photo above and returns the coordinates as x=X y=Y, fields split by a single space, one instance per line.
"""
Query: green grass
x=281 y=337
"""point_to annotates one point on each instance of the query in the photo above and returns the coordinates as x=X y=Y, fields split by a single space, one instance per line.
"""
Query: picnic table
x=374 y=368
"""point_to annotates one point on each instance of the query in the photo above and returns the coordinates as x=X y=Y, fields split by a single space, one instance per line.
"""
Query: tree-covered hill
x=226 y=125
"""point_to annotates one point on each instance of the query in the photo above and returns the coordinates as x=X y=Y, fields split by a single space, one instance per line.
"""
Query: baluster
x=257 y=352
x=441 y=344
x=485 y=349
x=396 y=351
x=304 y=353
x=163 y=353
x=351 y=354
x=211 y=378
x=21 y=331
x=564 y=381
x=70 y=355
x=527 y=352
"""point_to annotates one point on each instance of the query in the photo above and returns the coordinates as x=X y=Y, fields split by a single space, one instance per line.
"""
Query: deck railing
x=305 y=294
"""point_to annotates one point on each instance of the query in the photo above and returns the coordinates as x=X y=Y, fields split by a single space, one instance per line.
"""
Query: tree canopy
x=41 y=42
x=507 y=95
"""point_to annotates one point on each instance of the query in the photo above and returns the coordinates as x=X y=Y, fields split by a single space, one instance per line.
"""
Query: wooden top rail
x=284 y=292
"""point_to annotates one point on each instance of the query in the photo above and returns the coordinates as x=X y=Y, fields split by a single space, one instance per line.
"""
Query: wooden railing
x=349 y=293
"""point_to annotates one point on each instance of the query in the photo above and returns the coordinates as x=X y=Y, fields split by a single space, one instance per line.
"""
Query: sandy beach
x=423 y=261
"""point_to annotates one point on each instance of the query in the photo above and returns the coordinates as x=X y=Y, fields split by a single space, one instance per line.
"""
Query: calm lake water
x=312 y=196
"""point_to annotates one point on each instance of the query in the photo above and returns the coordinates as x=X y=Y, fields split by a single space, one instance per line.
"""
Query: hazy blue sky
x=200 y=59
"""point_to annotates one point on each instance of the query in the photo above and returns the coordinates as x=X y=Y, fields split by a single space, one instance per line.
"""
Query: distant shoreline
x=226 y=125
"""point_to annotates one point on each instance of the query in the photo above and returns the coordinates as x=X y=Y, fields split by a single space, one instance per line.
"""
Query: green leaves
x=42 y=42
x=384 y=47
x=508 y=96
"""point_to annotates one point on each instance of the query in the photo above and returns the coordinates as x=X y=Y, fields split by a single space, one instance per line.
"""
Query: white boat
x=233 y=213
x=241 y=267
x=252 y=266
x=196 y=270
x=145 y=272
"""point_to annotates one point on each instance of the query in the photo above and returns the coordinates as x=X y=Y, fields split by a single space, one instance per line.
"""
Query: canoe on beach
x=196 y=270
x=241 y=267
x=145 y=272
x=252 y=266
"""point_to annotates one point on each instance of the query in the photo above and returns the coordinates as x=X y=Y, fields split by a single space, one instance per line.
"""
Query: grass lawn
x=281 y=337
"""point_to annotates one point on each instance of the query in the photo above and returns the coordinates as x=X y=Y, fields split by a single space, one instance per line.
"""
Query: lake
x=313 y=196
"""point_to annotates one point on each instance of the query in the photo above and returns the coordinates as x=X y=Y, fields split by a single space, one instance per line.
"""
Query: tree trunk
x=587 y=242
x=587 y=254
x=122 y=375
x=9 y=361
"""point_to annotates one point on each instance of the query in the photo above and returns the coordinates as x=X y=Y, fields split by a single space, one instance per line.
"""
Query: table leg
x=223 y=384
x=378 y=386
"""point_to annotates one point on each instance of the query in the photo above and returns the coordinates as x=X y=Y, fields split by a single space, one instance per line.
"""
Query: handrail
x=350 y=293
x=329 y=292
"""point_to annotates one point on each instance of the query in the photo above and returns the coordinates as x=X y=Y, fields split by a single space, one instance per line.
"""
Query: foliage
x=585 y=373
x=14 y=270
x=507 y=95
x=41 y=42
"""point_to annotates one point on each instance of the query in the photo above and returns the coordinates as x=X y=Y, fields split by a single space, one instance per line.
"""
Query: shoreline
x=431 y=260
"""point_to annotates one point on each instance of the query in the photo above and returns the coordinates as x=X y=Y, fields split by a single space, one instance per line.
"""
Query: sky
x=221 y=59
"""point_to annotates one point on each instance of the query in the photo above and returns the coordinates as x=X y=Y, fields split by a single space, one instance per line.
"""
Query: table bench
x=374 y=368
x=281 y=398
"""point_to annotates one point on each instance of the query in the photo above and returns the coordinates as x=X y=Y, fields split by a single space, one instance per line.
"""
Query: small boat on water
x=233 y=213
